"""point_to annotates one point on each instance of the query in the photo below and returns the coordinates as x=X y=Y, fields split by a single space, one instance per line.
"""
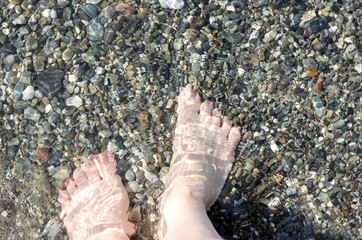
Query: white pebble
x=74 y=101
x=53 y=14
x=28 y=93
x=172 y=4
x=4 y=214
x=46 y=13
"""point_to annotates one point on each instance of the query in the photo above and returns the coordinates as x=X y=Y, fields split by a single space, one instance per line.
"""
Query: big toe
x=105 y=164
x=188 y=105
x=234 y=137
x=91 y=171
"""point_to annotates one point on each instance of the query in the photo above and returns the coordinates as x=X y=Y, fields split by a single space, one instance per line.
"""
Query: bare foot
x=95 y=203
x=203 y=154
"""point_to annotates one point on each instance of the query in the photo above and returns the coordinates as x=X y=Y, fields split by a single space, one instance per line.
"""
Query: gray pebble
x=18 y=90
x=336 y=125
x=260 y=3
x=150 y=176
x=19 y=105
x=95 y=31
x=172 y=4
x=90 y=10
x=130 y=176
x=269 y=36
x=109 y=35
x=320 y=109
x=32 y=114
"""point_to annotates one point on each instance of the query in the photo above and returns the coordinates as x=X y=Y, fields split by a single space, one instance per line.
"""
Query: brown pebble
x=42 y=21
x=125 y=9
x=271 y=87
x=312 y=72
x=345 y=208
x=317 y=87
x=42 y=154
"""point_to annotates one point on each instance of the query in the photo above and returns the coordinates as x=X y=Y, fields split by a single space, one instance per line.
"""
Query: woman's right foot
x=203 y=154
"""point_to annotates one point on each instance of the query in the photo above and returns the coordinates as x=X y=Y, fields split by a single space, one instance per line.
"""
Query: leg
x=203 y=149
x=95 y=203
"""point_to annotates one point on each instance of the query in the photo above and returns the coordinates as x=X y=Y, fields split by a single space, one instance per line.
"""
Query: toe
x=216 y=113
x=63 y=197
x=226 y=125
x=188 y=105
x=91 y=171
x=105 y=164
x=80 y=178
x=206 y=108
x=71 y=186
x=234 y=136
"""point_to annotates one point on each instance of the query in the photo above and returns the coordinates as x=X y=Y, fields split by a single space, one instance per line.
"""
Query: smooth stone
x=67 y=54
x=178 y=44
x=336 y=125
x=9 y=60
x=291 y=191
x=269 y=36
x=8 y=48
x=323 y=197
x=105 y=134
x=232 y=38
x=74 y=101
x=28 y=93
x=19 y=105
x=95 y=31
x=172 y=4
x=303 y=190
x=150 y=176
x=109 y=35
x=260 y=3
x=31 y=44
x=20 y=20
x=32 y=114
x=93 y=1
x=46 y=13
x=54 y=118
x=90 y=10
x=62 y=172
x=63 y=3
x=50 y=81
x=130 y=176
x=38 y=65
x=320 y=109
x=134 y=186
x=18 y=90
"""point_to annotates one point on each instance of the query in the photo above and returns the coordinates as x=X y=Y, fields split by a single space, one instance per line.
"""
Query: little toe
x=80 y=178
x=91 y=171
x=226 y=125
x=234 y=136
x=206 y=108
x=71 y=186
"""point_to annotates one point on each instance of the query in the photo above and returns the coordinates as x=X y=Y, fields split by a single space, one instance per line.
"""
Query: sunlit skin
x=95 y=202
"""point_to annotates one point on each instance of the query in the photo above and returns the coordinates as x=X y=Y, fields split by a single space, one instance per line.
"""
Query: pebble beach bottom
x=78 y=77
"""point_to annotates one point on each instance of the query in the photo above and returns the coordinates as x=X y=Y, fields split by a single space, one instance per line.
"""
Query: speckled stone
x=95 y=31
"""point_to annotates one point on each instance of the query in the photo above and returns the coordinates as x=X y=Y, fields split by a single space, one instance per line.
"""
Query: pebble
x=95 y=31
x=28 y=93
x=336 y=125
x=172 y=4
x=74 y=101
x=269 y=36
x=18 y=90
x=178 y=44
x=90 y=10
x=32 y=114
x=50 y=81
x=320 y=109
x=129 y=175
x=67 y=54
x=150 y=176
